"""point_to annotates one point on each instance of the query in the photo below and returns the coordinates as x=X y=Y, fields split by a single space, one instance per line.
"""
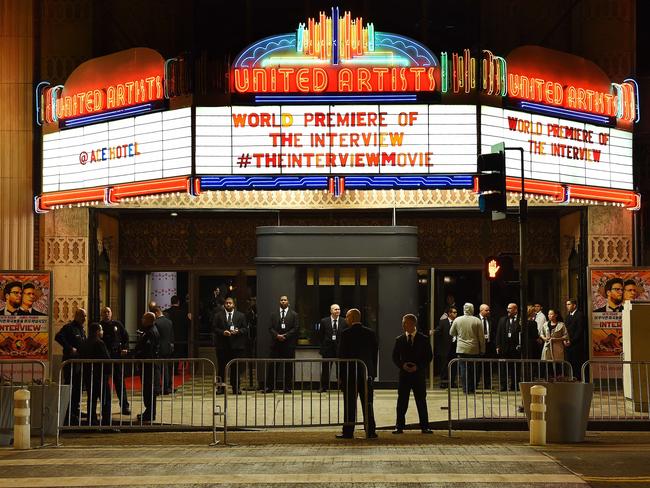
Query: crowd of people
x=340 y=338
x=109 y=339
x=546 y=337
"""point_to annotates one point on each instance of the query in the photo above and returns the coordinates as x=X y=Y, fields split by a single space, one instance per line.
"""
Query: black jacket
x=491 y=343
x=178 y=316
x=148 y=346
x=508 y=346
x=116 y=337
x=575 y=325
x=95 y=349
x=291 y=327
x=71 y=335
x=328 y=346
x=166 y=331
x=236 y=342
x=419 y=353
x=358 y=342
x=443 y=341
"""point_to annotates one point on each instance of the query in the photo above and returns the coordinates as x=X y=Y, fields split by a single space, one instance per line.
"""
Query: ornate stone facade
x=610 y=237
x=67 y=256
x=227 y=240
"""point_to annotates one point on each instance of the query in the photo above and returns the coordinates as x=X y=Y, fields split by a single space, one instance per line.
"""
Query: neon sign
x=109 y=83
x=335 y=54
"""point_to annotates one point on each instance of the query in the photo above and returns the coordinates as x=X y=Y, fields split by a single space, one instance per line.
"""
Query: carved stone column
x=66 y=254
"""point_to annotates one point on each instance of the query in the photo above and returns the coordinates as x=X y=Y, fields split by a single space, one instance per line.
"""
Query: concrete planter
x=567 y=409
x=41 y=395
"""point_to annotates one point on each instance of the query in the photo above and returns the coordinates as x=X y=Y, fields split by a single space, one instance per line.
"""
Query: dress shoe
x=322 y=390
x=287 y=390
x=398 y=431
x=267 y=390
x=238 y=392
x=344 y=436
x=372 y=435
x=427 y=431
x=126 y=411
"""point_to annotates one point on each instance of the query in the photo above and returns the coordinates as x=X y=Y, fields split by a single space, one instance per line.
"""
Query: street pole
x=523 y=267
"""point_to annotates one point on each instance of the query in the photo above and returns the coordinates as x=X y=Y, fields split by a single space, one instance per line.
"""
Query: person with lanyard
x=329 y=333
x=284 y=334
x=508 y=347
x=231 y=336
x=490 y=333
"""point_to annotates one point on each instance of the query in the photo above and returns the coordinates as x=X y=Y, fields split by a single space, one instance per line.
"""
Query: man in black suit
x=329 y=333
x=508 y=347
x=490 y=333
x=446 y=346
x=231 y=337
x=284 y=334
x=575 y=324
x=412 y=355
x=357 y=342
x=166 y=330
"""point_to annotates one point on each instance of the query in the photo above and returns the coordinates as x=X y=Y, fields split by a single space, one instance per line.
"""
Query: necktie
x=485 y=331
x=229 y=317
x=282 y=316
x=335 y=325
x=410 y=340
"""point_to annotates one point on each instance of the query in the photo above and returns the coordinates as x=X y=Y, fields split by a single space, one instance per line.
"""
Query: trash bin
x=567 y=409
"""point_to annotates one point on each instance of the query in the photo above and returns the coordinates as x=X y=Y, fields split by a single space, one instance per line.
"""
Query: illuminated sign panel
x=335 y=53
x=152 y=146
x=336 y=139
x=560 y=150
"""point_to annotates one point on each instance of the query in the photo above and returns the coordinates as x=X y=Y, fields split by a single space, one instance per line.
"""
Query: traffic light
x=492 y=183
x=499 y=268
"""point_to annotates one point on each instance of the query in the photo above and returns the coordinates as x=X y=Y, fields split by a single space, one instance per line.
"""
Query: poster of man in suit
x=25 y=309
x=609 y=289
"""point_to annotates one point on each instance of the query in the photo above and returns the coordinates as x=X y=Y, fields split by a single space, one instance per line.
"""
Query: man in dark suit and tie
x=412 y=355
x=231 y=336
x=490 y=333
x=575 y=324
x=508 y=347
x=357 y=342
x=284 y=334
x=445 y=346
x=329 y=333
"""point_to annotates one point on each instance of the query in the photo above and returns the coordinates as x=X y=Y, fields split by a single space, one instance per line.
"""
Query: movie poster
x=25 y=309
x=610 y=288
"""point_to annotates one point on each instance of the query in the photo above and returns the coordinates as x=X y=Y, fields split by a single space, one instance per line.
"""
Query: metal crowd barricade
x=15 y=375
x=467 y=402
x=189 y=405
x=270 y=403
x=621 y=390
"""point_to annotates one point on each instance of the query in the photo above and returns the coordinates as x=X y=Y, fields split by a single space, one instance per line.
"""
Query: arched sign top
x=114 y=69
x=336 y=53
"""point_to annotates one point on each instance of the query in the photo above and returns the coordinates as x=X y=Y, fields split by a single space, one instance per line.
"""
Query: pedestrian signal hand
x=493 y=268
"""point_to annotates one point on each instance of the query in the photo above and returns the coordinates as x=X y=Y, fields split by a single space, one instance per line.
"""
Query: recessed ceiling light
x=174 y=214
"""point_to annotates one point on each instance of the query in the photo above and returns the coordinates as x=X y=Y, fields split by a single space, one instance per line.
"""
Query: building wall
x=16 y=137
x=66 y=254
